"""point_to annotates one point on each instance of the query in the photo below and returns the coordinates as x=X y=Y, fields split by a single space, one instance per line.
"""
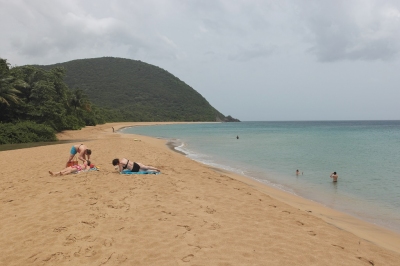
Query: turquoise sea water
x=365 y=154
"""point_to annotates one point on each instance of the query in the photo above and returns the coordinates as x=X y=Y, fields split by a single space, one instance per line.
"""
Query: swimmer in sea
x=334 y=176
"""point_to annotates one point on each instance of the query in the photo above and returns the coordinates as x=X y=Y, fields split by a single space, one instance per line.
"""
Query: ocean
x=365 y=155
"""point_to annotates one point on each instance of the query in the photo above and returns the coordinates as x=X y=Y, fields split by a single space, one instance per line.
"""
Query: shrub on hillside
x=25 y=132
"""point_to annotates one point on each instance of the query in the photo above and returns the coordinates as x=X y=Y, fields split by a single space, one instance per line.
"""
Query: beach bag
x=74 y=161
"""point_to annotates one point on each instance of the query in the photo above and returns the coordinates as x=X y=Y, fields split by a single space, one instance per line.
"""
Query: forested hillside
x=137 y=91
x=35 y=104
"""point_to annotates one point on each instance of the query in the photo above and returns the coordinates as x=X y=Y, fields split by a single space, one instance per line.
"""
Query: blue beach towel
x=128 y=172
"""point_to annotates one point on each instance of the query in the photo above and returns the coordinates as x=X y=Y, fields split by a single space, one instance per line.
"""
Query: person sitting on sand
x=81 y=150
x=125 y=164
x=73 y=169
x=334 y=176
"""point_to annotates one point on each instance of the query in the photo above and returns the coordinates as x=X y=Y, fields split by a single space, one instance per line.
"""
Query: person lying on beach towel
x=125 y=164
x=87 y=165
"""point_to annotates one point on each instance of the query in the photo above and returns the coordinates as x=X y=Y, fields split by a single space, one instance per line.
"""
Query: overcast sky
x=253 y=60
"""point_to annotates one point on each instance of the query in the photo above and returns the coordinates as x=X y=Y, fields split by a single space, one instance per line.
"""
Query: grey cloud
x=254 y=52
x=353 y=30
x=272 y=48
x=74 y=32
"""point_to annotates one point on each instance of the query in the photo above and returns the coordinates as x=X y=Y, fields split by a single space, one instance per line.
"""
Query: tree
x=35 y=103
x=9 y=85
x=8 y=93
x=79 y=100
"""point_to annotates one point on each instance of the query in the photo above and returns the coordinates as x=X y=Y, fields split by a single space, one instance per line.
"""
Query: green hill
x=137 y=91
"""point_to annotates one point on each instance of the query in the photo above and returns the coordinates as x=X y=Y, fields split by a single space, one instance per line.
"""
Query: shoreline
x=189 y=214
x=340 y=219
x=375 y=233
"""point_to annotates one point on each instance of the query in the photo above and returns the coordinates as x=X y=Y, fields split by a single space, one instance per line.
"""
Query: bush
x=73 y=123
x=24 y=132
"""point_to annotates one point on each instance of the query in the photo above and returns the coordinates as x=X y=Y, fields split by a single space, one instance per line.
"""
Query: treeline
x=36 y=103
x=137 y=91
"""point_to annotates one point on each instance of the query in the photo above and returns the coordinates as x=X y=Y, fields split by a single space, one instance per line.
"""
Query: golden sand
x=190 y=214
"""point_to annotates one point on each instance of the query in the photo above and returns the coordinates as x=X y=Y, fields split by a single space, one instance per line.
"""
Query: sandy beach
x=190 y=214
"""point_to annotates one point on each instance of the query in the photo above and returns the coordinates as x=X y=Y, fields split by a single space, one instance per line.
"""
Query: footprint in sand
x=187 y=227
x=170 y=213
x=56 y=257
x=91 y=224
x=60 y=229
x=98 y=216
x=115 y=206
x=107 y=259
x=56 y=191
x=34 y=255
x=121 y=258
x=89 y=251
x=78 y=253
x=28 y=243
x=69 y=240
x=89 y=238
x=215 y=226
x=311 y=233
x=92 y=203
x=366 y=260
x=108 y=242
x=337 y=246
x=210 y=210
x=187 y=258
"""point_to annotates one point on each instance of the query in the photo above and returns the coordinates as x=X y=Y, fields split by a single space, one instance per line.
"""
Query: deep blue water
x=366 y=155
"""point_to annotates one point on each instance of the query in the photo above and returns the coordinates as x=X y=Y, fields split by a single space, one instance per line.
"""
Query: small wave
x=208 y=160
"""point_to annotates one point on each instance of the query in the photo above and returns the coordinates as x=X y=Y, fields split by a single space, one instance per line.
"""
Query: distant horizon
x=289 y=120
x=350 y=120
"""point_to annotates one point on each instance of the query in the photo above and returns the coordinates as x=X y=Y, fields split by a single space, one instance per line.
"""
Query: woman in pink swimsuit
x=73 y=169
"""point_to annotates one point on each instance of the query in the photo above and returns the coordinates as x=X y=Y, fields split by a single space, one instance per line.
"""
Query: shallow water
x=366 y=155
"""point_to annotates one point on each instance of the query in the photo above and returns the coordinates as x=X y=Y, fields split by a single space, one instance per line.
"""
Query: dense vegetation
x=137 y=91
x=24 y=132
x=38 y=101
x=35 y=104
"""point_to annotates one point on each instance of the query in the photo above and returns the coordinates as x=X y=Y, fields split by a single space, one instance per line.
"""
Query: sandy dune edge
x=188 y=215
